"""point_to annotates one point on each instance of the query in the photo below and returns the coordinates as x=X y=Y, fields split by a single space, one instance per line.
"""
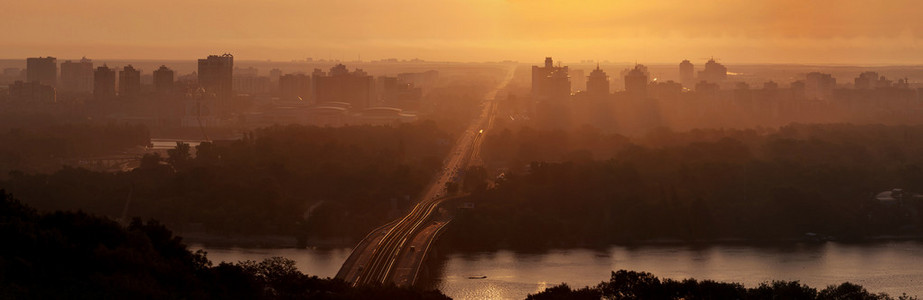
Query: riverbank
x=446 y=246
x=261 y=241
x=893 y=267
x=451 y=246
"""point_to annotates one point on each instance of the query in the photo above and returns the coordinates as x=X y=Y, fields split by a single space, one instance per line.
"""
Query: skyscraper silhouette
x=714 y=72
x=42 y=69
x=687 y=74
x=163 y=80
x=597 y=85
x=104 y=83
x=295 y=86
x=77 y=76
x=636 y=80
x=129 y=82
x=550 y=82
x=216 y=75
x=340 y=85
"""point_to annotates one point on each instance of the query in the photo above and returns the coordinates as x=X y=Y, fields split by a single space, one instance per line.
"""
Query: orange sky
x=783 y=31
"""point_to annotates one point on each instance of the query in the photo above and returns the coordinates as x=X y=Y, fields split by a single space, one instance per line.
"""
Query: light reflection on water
x=893 y=268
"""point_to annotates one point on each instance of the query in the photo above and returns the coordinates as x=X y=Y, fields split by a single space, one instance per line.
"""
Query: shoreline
x=284 y=241
x=260 y=241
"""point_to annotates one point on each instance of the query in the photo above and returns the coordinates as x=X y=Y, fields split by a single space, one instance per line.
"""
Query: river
x=891 y=267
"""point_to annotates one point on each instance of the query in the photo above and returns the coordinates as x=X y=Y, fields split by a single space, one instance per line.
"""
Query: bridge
x=394 y=253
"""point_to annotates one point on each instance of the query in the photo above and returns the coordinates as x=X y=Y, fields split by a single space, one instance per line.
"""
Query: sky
x=743 y=31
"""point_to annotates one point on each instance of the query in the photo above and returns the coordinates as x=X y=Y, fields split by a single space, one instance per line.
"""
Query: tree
x=150 y=161
x=848 y=290
x=179 y=156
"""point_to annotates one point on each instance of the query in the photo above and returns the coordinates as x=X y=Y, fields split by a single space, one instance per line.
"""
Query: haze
x=830 y=32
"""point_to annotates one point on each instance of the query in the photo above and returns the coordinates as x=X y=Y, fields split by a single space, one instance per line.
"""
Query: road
x=394 y=252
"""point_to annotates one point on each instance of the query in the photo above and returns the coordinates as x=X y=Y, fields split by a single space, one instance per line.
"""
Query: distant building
x=295 y=87
x=636 y=81
x=129 y=82
x=249 y=71
x=42 y=69
x=714 y=72
x=871 y=80
x=819 y=86
x=163 y=80
x=550 y=82
x=104 y=83
x=798 y=89
x=577 y=80
x=597 y=84
x=706 y=89
x=333 y=115
x=77 y=76
x=686 y=74
x=274 y=75
x=770 y=85
x=11 y=72
x=394 y=92
x=340 y=85
x=383 y=116
x=215 y=75
x=253 y=85
x=665 y=90
x=421 y=79
x=32 y=92
x=866 y=80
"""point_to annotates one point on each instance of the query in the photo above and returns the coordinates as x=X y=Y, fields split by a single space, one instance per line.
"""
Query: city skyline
x=820 y=32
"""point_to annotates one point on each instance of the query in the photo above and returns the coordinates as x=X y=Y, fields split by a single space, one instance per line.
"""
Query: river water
x=891 y=267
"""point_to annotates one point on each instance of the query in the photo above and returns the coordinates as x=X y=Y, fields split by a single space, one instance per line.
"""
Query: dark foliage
x=291 y=180
x=65 y=255
x=45 y=148
x=699 y=186
x=641 y=285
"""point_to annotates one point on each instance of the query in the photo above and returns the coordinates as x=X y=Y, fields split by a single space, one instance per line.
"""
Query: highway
x=394 y=252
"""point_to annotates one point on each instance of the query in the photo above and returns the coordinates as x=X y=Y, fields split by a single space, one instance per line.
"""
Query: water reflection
x=889 y=267
x=893 y=268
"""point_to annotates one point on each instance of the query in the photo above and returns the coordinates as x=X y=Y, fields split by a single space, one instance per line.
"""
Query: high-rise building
x=11 y=72
x=77 y=76
x=819 y=86
x=163 y=80
x=248 y=71
x=216 y=75
x=129 y=82
x=577 y=80
x=597 y=84
x=274 y=75
x=714 y=72
x=252 y=85
x=636 y=80
x=797 y=89
x=665 y=90
x=104 y=83
x=340 y=85
x=866 y=80
x=687 y=74
x=295 y=86
x=393 y=92
x=42 y=69
x=32 y=92
x=550 y=82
